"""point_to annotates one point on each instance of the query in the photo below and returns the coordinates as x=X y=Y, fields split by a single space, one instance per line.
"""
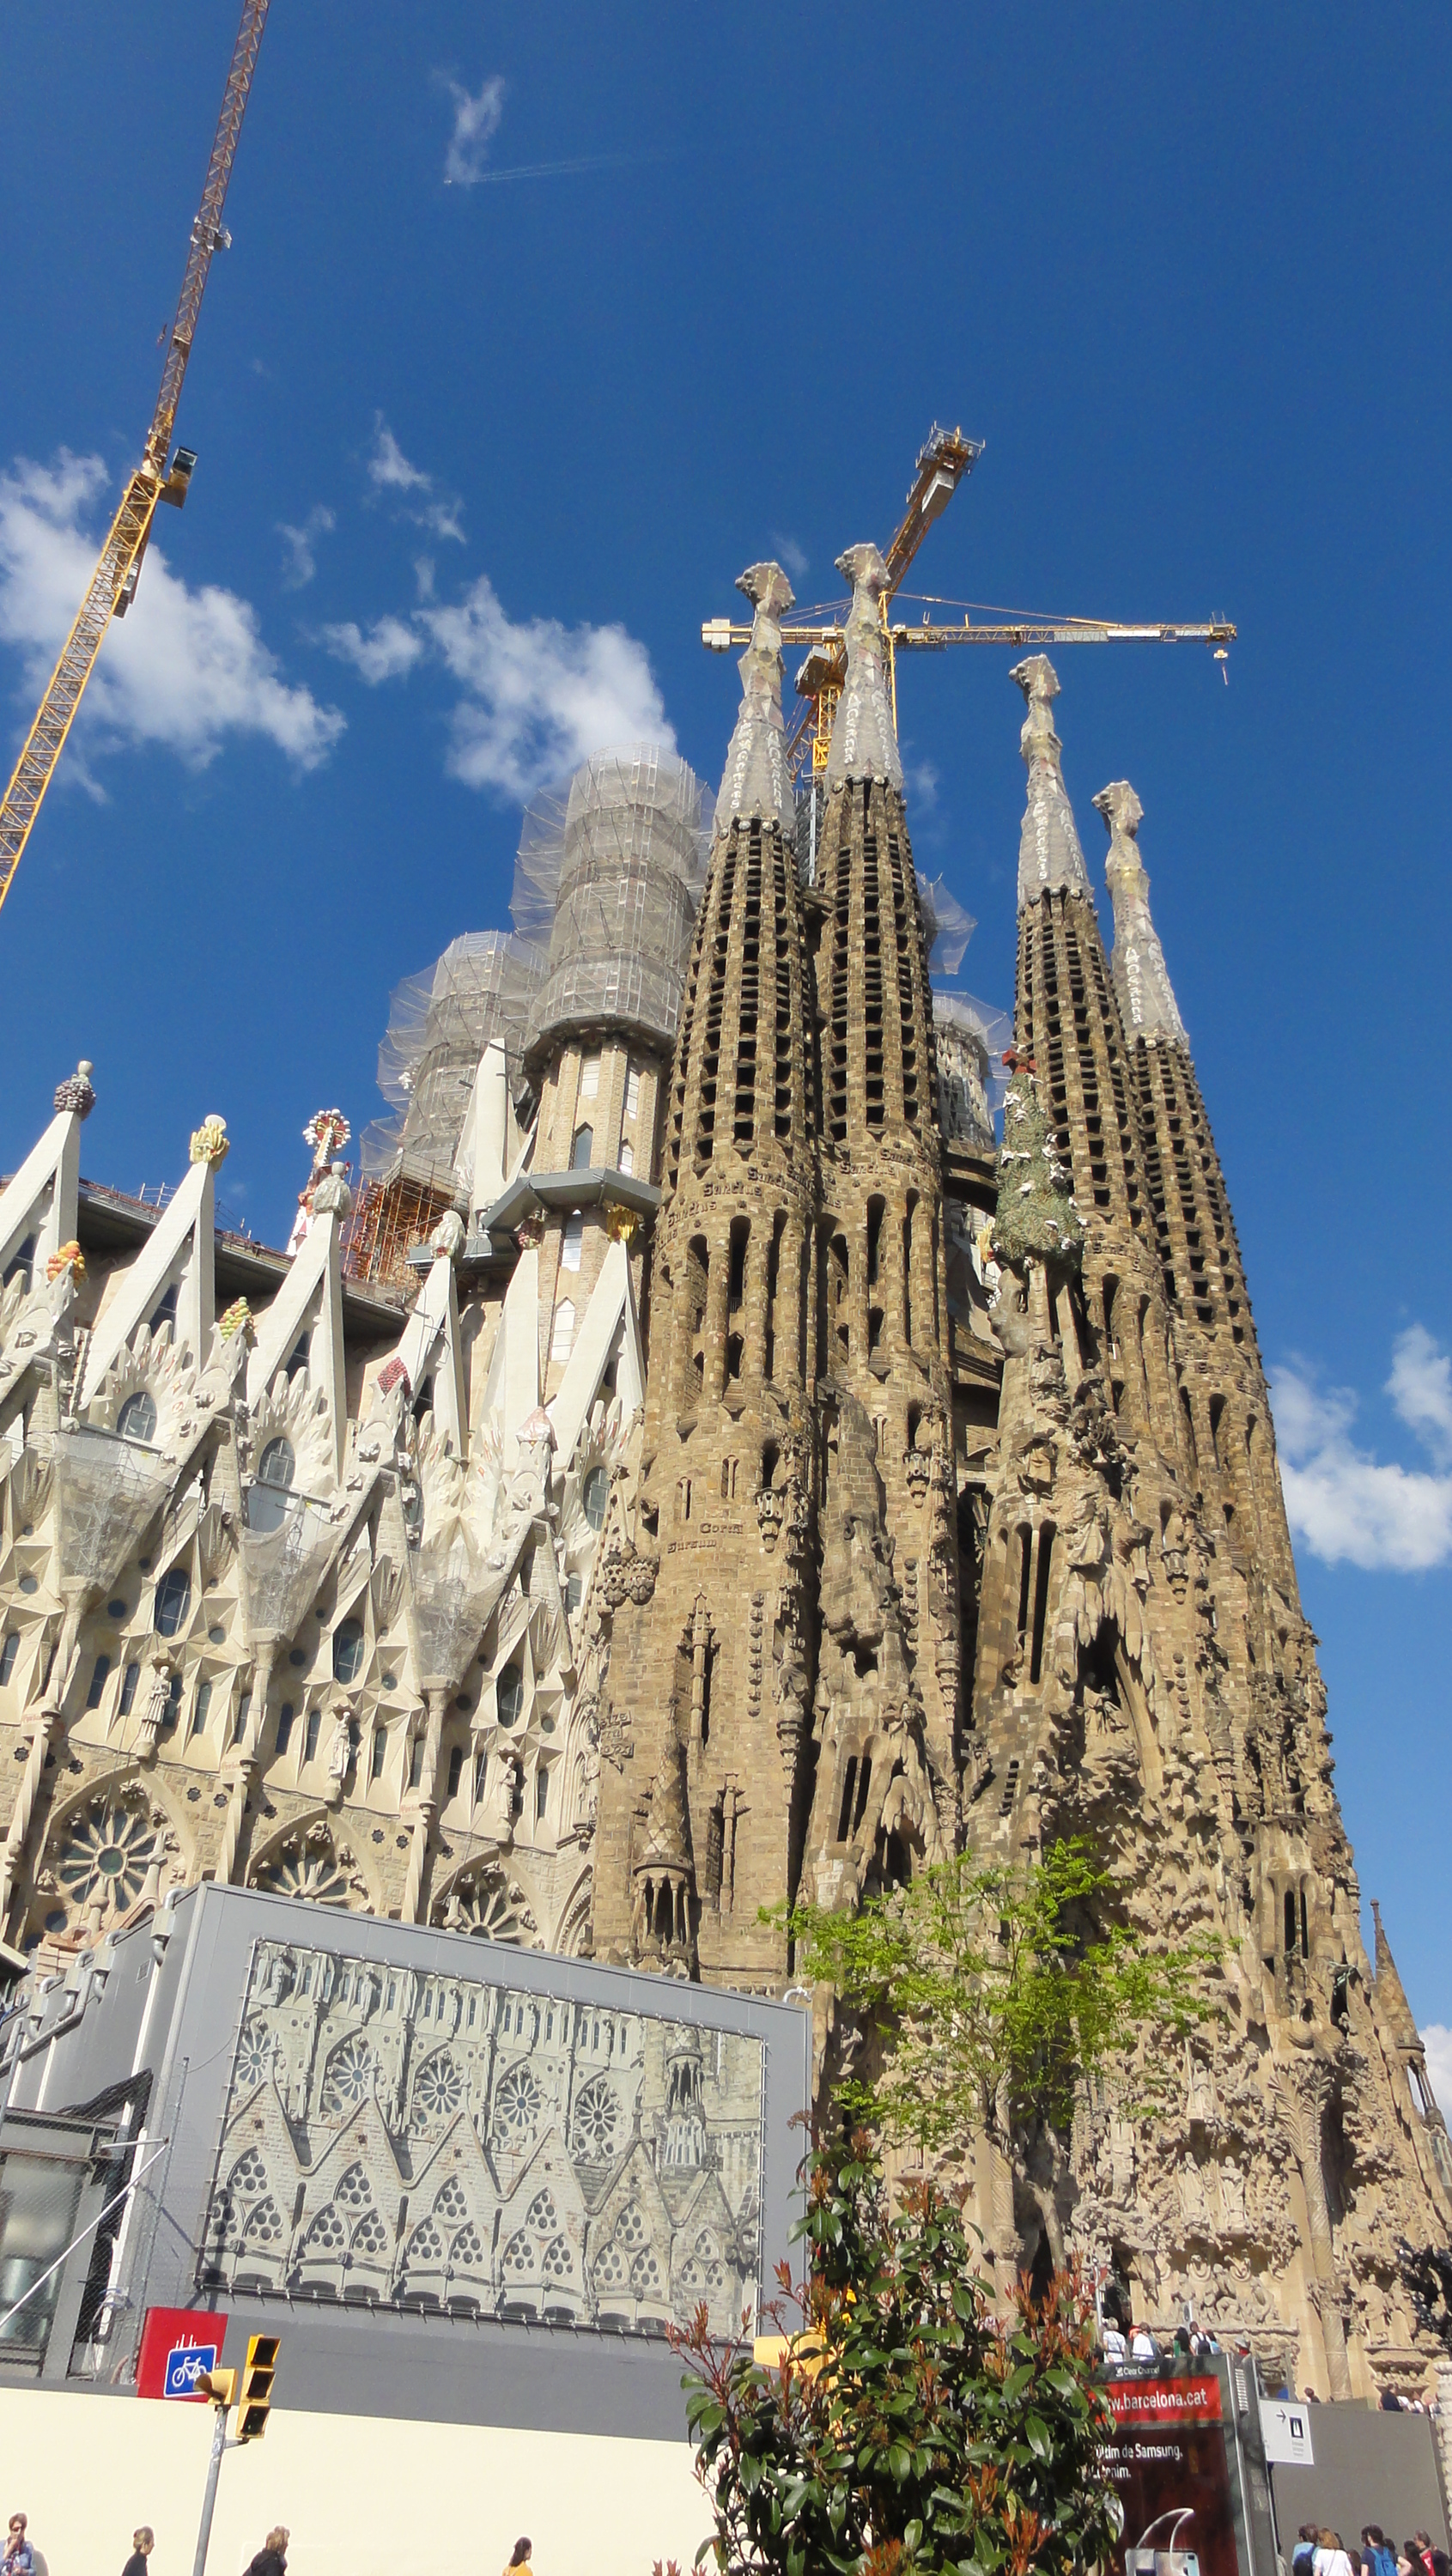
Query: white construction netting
x=439 y=1024
x=609 y=873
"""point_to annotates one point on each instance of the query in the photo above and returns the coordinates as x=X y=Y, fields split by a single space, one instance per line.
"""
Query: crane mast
x=112 y=585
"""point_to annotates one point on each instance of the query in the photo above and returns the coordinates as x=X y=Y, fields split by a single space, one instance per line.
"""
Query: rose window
x=249 y=2174
x=519 y=2254
x=370 y=2236
x=349 y=2079
x=517 y=2107
x=541 y=2214
x=630 y=2226
x=107 y=1854
x=466 y=2253
x=438 y=2088
x=597 y=2119
x=264 y=2227
x=353 y=2190
x=297 y=1870
x=327 y=2234
x=645 y=2275
x=558 y=2262
x=451 y=2204
x=489 y=1908
x=254 y=2054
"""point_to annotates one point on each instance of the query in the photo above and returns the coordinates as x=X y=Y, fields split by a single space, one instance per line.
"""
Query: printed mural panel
x=436 y=2142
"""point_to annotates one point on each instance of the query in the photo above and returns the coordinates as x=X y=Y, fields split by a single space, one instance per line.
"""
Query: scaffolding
x=439 y=1024
x=609 y=873
x=969 y=1038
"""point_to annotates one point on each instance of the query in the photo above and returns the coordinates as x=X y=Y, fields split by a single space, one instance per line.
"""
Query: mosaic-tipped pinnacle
x=767 y=588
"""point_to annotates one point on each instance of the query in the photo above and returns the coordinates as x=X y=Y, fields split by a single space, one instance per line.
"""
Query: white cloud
x=1420 y=1386
x=389 y=470
x=1346 y=1505
x=1436 y=2039
x=923 y=782
x=789 y=555
x=476 y=122
x=537 y=697
x=187 y=667
x=300 y=563
x=387 y=650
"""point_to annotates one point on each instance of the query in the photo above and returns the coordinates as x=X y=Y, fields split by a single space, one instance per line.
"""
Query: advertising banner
x=175 y=2344
x=1169 y=2466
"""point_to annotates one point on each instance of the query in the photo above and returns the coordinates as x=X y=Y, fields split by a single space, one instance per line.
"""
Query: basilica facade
x=694 y=1465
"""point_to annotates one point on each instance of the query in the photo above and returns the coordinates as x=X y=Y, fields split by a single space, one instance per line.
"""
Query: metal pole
x=204 y=2534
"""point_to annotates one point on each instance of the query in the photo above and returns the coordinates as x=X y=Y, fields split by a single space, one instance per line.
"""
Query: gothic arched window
x=348 y=1651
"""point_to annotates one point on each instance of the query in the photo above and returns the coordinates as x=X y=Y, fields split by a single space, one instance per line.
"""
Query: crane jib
x=113 y=582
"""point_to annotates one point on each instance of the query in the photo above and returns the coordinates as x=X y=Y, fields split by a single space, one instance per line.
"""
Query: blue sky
x=479 y=452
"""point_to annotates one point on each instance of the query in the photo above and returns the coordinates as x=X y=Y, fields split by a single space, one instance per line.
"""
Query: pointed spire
x=1391 y=1997
x=1141 y=978
x=864 y=737
x=1049 y=856
x=756 y=779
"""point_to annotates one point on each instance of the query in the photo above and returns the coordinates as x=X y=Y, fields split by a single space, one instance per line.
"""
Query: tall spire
x=1391 y=1994
x=1141 y=978
x=864 y=737
x=755 y=780
x=1049 y=856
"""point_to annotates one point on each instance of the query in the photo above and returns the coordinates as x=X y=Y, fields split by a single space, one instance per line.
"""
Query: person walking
x=19 y=2558
x=1378 y=2558
x=1303 y=2556
x=1144 y=2352
x=1331 y=2558
x=271 y=2558
x=519 y=2557
x=143 y=2541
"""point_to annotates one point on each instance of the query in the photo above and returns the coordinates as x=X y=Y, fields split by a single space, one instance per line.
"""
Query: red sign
x=1168 y=2464
x=1164 y=2401
x=175 y=2344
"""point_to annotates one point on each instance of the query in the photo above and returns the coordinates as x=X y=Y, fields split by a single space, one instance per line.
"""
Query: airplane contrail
x=567 y=169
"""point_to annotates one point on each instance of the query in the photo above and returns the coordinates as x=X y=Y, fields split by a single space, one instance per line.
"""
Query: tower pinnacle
x=1049 y=856
x=1141 y=978
x=755 y=780
x=864 y=737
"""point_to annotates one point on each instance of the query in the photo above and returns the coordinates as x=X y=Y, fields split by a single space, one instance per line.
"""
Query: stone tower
x=703 y=1732
x=888 y=1671
x=1145 y=1678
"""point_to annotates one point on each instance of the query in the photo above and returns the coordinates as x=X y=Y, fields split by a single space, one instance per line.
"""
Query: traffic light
x=254 y=2398
x=216 y=2384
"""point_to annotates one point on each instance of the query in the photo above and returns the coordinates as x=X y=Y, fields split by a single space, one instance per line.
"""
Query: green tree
x=903 y=2429
x=994 y=1989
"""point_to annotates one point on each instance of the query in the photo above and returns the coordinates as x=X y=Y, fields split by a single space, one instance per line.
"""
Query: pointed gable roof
x=1049 y=856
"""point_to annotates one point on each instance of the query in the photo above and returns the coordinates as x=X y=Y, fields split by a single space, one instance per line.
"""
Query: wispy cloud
x=536 y=697
x=476 y=122
x=1437 y=2041
x=385 y=652
x=188 y=667
x=790 y=555
x=389 y=471
x=388 y=468
x=1348 y=1506
x=300 y=563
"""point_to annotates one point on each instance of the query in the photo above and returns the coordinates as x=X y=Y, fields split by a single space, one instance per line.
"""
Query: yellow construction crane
x=945 y=461
x=113 y=583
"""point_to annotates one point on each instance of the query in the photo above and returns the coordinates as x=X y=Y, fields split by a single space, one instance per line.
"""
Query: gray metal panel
x=1368 y=2467
x=439 y=2368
